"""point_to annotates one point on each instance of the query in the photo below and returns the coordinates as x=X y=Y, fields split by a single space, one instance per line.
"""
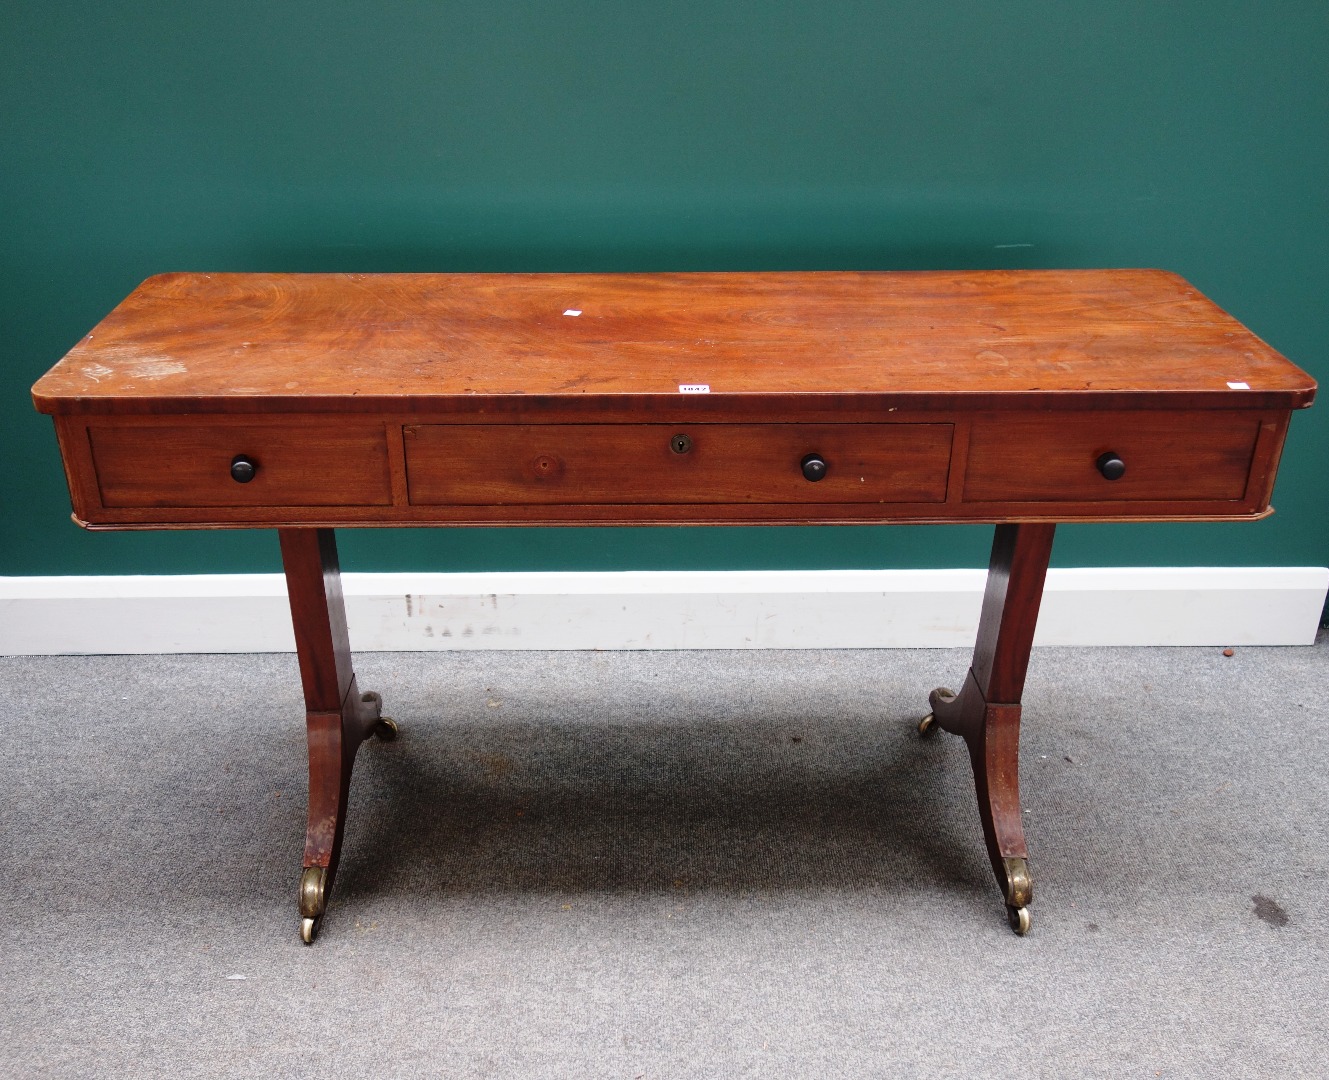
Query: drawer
x=1167 y=456
x=188 y=464
x=493 y=464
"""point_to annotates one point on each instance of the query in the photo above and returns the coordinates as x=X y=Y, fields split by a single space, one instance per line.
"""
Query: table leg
x=986 y=713
x=338 y=716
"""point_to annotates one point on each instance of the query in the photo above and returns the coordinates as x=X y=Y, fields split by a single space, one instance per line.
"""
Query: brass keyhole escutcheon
x=680 y=444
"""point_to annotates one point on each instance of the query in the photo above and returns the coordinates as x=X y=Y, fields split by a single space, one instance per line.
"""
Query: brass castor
x=1018 y=917
x=928 y=725
x=313 y=901
x=1019 y=892
x=385 y=729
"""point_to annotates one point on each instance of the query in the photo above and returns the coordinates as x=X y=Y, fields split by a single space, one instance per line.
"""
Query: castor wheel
x=927 y=725
x=309 y=929
x=1018 y=917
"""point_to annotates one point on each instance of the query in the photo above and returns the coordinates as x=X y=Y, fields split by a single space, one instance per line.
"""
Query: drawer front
x=1055 y=456
x=492 y=464
x=189 y=465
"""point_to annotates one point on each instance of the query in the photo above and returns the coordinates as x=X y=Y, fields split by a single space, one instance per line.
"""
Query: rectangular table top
x=201 y=342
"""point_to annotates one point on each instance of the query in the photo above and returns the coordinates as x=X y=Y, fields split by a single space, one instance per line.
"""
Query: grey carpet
x=651 y=865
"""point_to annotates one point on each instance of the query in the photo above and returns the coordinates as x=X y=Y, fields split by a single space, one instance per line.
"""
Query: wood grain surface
x=333 y=469
x=188 y=464
x=356 y=342
x=1053 y=456
x=481 y=465
x=433 y=399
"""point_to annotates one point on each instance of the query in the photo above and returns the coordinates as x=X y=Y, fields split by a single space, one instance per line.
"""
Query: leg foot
x=1019 y=886
x=941 y=697
x=313 y=901
x=384 y=728
x=334 y=738
x=313 y=892
x=942 y=702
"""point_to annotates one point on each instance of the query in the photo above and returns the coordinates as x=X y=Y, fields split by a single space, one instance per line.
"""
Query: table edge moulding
x=309 y=402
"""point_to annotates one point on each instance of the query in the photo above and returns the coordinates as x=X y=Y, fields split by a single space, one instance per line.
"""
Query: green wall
x=585 y=135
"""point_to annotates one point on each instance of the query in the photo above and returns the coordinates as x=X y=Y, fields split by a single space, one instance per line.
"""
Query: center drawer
x=495 y=464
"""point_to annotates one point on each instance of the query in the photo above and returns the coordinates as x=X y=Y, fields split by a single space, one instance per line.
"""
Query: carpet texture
x=656 y=865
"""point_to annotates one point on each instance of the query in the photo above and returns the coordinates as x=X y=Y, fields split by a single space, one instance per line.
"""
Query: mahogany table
x=305 y=402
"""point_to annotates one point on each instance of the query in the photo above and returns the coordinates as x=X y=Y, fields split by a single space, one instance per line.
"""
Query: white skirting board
x=744 y=609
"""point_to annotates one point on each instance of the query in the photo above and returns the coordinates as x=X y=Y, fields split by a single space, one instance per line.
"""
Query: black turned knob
x=814 y=467
x=242 y=469
x=1111 y=466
